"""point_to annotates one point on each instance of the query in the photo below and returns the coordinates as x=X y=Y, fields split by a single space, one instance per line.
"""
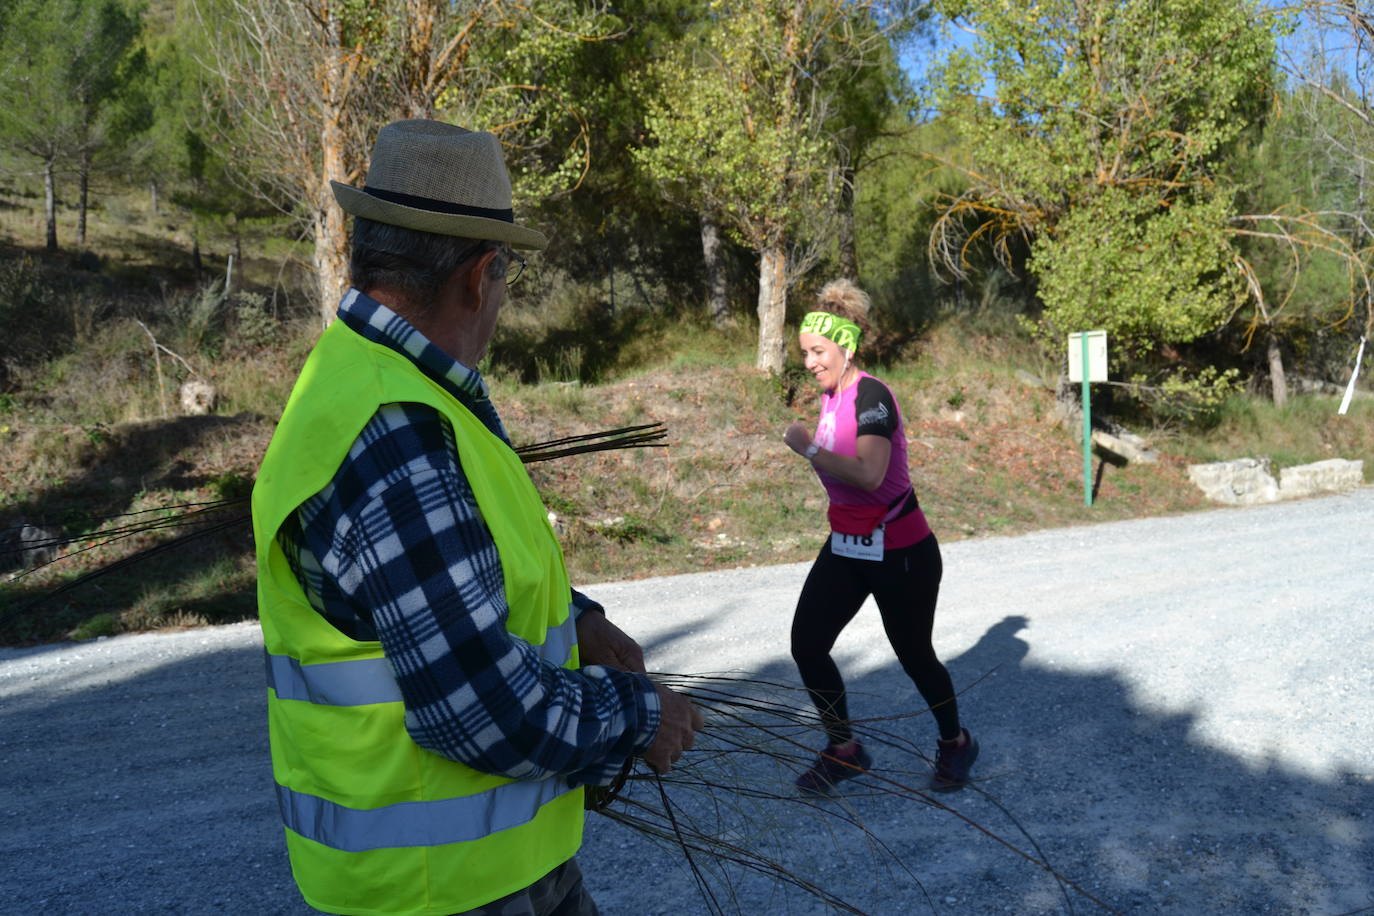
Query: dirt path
x=1179 y=711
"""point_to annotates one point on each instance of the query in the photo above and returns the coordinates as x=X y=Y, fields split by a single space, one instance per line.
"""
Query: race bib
x=858 y=546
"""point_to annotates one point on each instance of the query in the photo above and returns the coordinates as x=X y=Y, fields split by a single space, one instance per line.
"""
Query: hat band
x=439 y=206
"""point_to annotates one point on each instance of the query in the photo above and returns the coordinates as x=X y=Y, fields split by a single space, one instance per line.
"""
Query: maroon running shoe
x=952 y=763
x=833 y=767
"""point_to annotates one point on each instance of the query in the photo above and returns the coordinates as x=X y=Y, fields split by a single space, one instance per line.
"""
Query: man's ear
x=476 y=274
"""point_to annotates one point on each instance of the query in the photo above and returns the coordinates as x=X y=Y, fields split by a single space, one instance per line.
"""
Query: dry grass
x=987 y=455
x=729 y=493
x=146 y=249
x=1307 y=429
x=85 y=435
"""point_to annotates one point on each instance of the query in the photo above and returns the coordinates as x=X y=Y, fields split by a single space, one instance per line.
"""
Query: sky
x=1293 y=48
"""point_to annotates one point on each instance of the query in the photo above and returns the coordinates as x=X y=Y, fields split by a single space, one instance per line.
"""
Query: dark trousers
x=559 y=893
x=905 y=585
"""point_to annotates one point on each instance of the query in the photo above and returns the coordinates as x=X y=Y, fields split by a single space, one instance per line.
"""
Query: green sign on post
x=1088 y=363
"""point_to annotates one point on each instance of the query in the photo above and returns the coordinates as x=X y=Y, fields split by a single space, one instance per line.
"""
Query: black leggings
x=905 y=585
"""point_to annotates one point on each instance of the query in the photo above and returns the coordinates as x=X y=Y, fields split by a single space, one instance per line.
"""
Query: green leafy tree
x=868 y=105
x=114 y=103
x=1329 y=61
x=739 y=130
x=66 y=71
x=305 y=86
x=897 y=196
x=616 y=233
x=1300 y=230
x=1105 y=150
x=523 y=84
x=173 y=86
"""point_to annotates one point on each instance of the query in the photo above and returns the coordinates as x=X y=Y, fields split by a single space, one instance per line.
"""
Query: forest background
x=1191 y=176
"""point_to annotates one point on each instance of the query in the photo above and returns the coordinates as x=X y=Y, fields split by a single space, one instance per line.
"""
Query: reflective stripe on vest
x=430 y=823
x=369 y=680
x=454 y=820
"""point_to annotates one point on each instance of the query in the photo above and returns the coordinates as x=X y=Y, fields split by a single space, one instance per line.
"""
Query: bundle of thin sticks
x=728 y=808
x=192 y=520
x=198 y=520
x=648 y=435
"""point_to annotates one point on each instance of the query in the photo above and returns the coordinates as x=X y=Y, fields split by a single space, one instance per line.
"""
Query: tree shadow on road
x=1135 y=804
x=116 y=470
x=167 y=804
x=1132 y=804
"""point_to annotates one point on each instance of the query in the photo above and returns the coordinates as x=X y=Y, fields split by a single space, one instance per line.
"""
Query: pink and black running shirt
x=867 y=408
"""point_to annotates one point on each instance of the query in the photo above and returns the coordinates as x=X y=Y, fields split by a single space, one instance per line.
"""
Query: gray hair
x=414 y=263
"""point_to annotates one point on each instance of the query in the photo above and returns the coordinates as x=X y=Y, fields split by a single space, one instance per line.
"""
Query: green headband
x=832 y=327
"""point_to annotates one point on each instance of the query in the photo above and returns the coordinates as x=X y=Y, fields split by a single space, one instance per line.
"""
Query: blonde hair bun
x=844 y=298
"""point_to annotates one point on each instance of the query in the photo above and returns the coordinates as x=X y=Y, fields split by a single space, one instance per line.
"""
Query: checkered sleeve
x=583 y=603
x=417 y=554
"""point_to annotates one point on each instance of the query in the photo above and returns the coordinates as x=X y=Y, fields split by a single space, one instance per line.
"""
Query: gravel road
x=1176 y=714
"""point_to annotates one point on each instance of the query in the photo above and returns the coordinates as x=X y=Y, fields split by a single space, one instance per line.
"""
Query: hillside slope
x=987 y=456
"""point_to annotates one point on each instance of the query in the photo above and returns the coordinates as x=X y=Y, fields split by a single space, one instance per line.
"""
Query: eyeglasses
x=515 y=266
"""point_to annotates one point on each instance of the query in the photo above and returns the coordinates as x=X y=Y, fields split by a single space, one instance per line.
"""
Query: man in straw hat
x=438 y=695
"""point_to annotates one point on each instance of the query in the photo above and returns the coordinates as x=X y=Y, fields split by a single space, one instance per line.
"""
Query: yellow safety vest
x=374 y=823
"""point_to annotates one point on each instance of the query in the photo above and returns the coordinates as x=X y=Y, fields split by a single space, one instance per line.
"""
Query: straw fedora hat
x=440 y=178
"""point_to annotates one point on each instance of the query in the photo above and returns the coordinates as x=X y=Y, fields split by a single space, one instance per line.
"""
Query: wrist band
x=811 y=450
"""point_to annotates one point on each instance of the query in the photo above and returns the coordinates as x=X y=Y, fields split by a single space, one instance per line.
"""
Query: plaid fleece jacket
x=394 y=549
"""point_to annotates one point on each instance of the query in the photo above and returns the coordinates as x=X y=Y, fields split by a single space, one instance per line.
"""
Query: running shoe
x=952 y=764
x=833 y=767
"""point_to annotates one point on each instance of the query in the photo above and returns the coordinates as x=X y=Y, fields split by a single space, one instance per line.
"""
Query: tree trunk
x=152 y=195
x=84 y=198
x=772 y=307
x=1277 y=381
x=331 y=234
x=849 y=255
x=330 y=260
x=50 y=200
x=716 y=304
x=421 y=22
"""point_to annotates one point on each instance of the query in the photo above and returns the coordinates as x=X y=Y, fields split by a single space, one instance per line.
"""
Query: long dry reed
x=723 y=807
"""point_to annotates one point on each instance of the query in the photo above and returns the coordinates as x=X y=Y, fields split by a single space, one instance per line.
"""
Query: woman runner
x=880 y=545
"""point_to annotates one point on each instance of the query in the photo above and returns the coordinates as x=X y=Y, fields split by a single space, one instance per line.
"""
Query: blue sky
x=1291 y=48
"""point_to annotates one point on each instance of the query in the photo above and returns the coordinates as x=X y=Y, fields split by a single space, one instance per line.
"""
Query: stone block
x=1329 y=476
x=1241 y=482
x=28 y=546
x=197 y=397
x=1128 y=446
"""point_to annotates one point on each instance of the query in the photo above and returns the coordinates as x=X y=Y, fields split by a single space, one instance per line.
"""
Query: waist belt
x=903 y=505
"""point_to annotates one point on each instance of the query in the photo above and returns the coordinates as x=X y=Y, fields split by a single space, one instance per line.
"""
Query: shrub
x=1196 y=398
x=255 y=327
x=28 y=302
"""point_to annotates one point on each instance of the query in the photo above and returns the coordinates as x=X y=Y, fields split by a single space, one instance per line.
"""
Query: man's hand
x=600 y=642
x=677 y=730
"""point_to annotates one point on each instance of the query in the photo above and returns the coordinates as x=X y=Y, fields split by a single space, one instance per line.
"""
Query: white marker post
x=1088 y=363
x=1354 y=377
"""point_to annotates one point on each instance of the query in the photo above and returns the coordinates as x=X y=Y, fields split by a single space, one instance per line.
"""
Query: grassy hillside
x=91 y=439
x=987 y=454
